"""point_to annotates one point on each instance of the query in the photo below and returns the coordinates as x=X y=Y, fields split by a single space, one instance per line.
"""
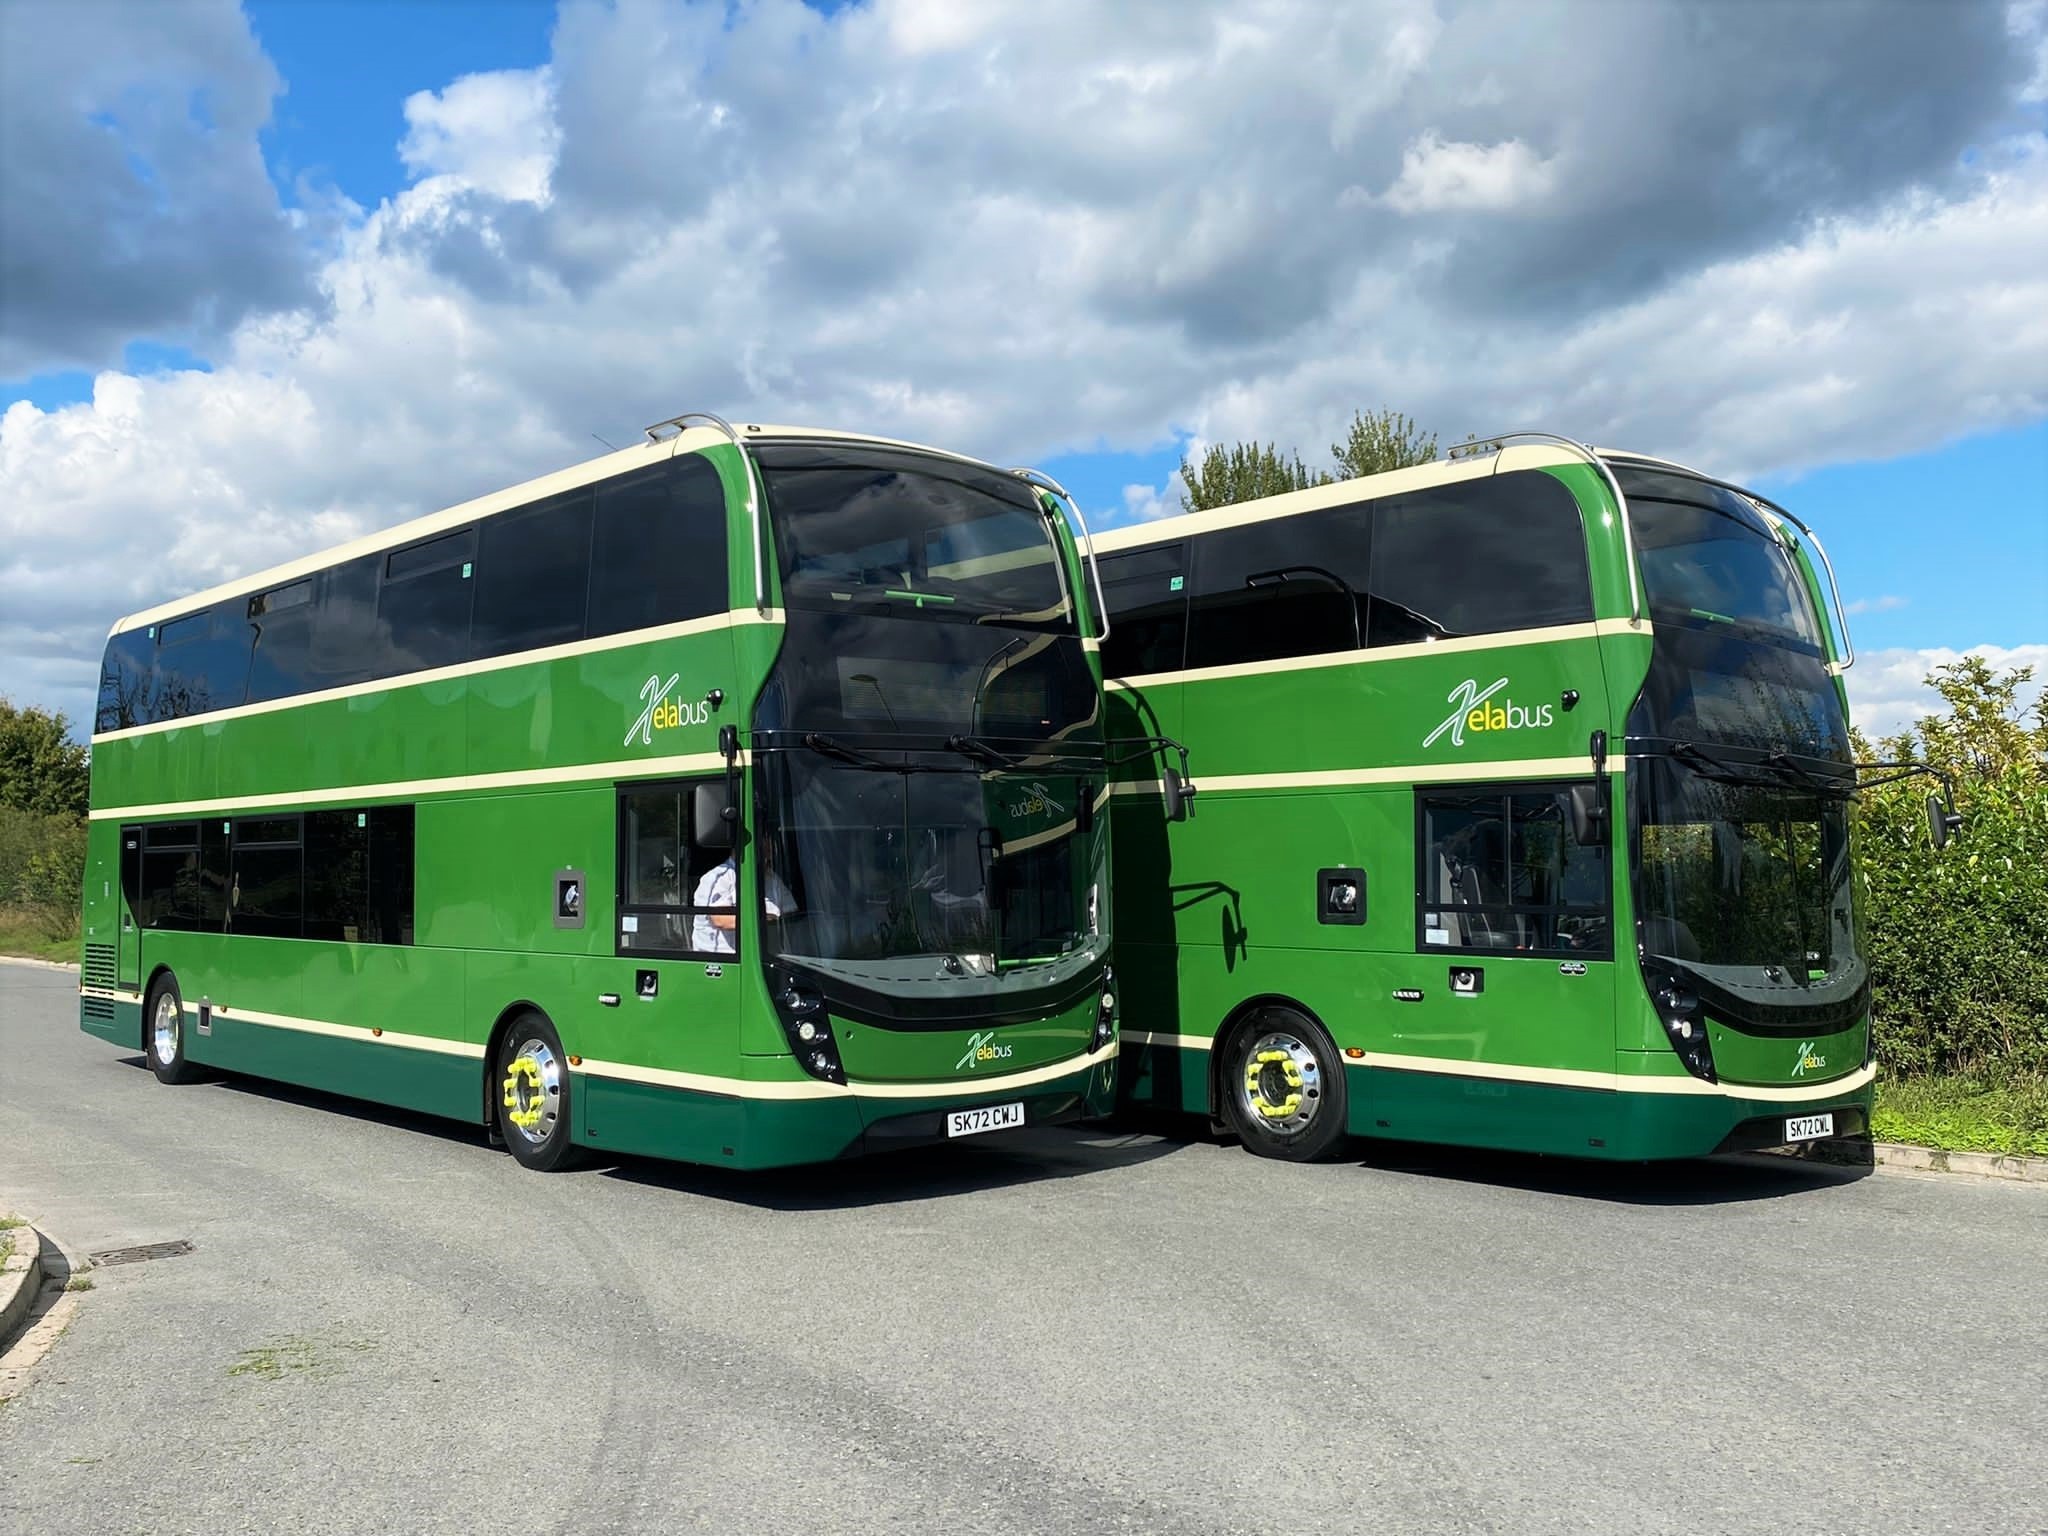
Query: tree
x=1379 y=442
x=1376 y=442
x=1243 y=472
x=42 y=770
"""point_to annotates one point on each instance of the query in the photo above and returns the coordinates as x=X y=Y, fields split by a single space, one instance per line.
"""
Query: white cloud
x=1018 y=230
x=492 y=133
x=1885 y=604
x=1144 y=503
x=1437 y=177
x=1888 y=689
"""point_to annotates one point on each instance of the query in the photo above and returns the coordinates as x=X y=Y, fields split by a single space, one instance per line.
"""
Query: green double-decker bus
x=731 y=798
x=1522 y=813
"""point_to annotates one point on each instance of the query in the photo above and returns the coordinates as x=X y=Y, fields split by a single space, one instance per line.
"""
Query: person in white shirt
x=714 y=933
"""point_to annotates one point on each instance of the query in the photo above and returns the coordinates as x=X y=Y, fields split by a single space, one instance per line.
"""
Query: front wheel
x=1283 y=1086
x=531 y=1091
x=164 y=1032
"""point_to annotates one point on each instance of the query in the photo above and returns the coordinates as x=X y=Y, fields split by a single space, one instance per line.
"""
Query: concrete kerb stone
x=1896 y=1156
x=21 y=1279
x=47 y=965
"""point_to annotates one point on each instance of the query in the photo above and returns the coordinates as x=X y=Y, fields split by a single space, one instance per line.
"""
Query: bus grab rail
x=1046 y=482
x=720 y=424
x=1827 y=565
x=1628 y=543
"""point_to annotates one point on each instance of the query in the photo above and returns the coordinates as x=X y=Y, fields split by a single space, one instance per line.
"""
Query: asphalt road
x=388 y=1326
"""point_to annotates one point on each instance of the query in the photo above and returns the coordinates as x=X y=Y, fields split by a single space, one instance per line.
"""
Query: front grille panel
x=101 y=1008
x=98 y=970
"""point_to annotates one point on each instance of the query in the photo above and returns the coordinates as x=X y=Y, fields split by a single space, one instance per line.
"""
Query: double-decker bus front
x=1737 y=836
x=929 y=864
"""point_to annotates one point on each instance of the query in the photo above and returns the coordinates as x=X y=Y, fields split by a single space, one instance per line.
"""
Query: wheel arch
x=156 y=974
x=486 y=1082
x=1234 y=1020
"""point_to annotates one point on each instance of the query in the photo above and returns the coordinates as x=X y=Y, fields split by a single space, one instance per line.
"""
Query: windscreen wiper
x=829 y=746
x=1776 y=771
x=980 y=751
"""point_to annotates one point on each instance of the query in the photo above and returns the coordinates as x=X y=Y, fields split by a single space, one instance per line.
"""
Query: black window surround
x=343 y=875
x=438 y=601
x=664 y=929
x=1486 y=555
x=1475 y=896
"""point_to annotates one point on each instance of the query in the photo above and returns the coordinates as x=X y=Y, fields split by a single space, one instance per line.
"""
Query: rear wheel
x=531 y=1091
x=163 y=1032
x=1283 y=1086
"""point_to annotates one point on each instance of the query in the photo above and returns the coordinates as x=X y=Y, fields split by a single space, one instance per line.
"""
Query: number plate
x=990 y=1117
x=1809 y=1127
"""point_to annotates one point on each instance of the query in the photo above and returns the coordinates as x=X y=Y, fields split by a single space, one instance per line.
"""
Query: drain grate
x=140 y=1253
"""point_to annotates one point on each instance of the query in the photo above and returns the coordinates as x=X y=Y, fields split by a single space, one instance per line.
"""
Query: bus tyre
x=1283 y=1087
x=163 y=1032
x=530 y=1092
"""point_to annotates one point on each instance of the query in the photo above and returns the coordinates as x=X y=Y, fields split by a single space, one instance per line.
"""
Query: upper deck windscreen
x=882 y=530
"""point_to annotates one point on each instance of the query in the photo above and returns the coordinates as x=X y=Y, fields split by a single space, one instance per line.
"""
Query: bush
x=1958 y=940
x=42 y=868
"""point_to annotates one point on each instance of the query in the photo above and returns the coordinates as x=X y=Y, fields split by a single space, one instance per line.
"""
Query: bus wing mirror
x=1589 y=815
x=712 y=814
x=1175 y=792
x=1942 y=823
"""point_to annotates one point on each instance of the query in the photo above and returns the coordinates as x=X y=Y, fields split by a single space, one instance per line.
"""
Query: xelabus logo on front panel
x=981 y=1047
x=1477 y=711
x=663 y=713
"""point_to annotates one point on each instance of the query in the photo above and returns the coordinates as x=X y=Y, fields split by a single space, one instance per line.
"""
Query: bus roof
x=1341 y=492
x=603 y=467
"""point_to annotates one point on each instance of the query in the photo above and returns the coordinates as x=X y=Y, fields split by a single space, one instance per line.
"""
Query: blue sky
x=373 y=257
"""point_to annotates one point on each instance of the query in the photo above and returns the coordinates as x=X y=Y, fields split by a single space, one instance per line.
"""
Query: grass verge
x=23 y=934
x=1964 y=1114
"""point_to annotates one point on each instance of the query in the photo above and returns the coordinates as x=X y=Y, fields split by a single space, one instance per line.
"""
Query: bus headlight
x=1685 y=1026
x=1105 y=1010
x=807 y=1026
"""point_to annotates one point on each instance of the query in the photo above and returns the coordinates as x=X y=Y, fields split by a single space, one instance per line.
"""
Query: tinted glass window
x=1498 y=553
x=658 y=556
x=533 y=571
x=337 y=874
x=423 y=607
x=125 y=681
x=1146 y=590
x=911 y=535
x=675 y=896
x=202 y=663
x=318 y=632
x=183 y=876
x=264 y=893
x=389 y=919
x=1502 y=871
x=1708 y=556
x=1292 y=586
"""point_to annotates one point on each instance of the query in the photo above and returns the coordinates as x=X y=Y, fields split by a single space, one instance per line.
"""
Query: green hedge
x=1958 y=940
x=42 y=868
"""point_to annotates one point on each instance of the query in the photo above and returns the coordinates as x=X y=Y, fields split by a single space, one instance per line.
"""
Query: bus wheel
x=164 y=1032
x=1283 y=1086
x=530 y=1085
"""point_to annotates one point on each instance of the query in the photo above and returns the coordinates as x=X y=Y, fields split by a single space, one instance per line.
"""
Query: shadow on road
x=1731 y=1180
x=917 y=1173
x=1130 y=1140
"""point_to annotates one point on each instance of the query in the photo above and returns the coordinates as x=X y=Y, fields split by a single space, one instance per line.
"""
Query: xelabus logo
x=981 y=1047
x=1476 y=713
x=1808 y=1062
x=663 y=713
